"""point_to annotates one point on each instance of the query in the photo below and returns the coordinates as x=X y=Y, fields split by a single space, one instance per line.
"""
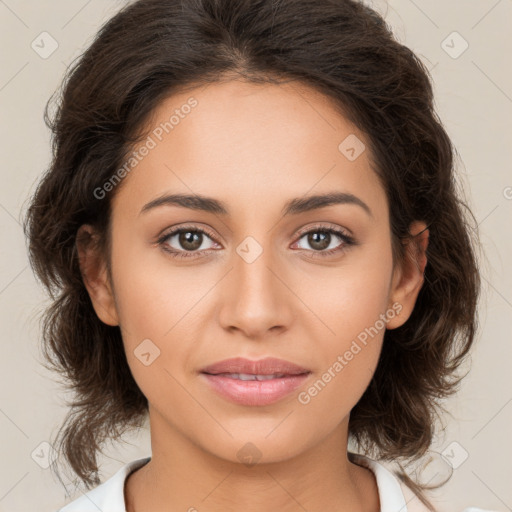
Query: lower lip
x=255 y=392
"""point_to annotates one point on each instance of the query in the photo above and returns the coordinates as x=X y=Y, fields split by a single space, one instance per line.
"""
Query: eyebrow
x=292 y=207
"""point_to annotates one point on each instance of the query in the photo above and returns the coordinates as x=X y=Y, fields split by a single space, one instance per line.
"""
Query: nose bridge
x=256 y=300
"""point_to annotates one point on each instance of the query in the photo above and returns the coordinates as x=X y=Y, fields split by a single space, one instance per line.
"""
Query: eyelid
x=166 y=233
x=326 y=226
x=302 y=231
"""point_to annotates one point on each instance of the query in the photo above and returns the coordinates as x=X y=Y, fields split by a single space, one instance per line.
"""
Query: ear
x=408 y=276
x=95 y=276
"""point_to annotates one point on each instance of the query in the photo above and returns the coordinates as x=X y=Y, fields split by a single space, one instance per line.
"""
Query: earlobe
x=408 y=278
x=95 y=276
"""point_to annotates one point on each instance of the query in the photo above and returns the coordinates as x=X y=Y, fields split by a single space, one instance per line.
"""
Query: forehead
x=241 y=141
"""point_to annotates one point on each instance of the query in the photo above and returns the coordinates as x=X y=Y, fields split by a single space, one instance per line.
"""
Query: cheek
x=152 y=292
x=160 y=306
x=347 y=323
x=346 y=354
x=347 y=298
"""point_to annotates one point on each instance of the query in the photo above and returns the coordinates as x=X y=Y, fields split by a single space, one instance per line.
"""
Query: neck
x=181 y=476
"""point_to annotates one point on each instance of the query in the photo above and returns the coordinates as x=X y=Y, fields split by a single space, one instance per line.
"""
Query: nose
x=256 y=298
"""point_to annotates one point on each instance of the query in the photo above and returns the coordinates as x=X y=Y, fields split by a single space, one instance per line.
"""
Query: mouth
x=254 y=383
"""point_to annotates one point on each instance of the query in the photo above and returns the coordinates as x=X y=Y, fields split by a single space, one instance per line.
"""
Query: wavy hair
x=345 y=50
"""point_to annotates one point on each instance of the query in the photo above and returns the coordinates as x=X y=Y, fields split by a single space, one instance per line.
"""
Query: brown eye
x=184 y=242
x=190 y=240
x=324 y=241
x=319 y=240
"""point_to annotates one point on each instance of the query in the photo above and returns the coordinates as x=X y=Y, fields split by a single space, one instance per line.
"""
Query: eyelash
x=347 y=241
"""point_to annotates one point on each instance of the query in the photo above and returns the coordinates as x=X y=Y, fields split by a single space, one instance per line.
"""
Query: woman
x=252 y=237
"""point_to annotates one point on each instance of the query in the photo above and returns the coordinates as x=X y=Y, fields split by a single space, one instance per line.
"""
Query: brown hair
x=346 y=51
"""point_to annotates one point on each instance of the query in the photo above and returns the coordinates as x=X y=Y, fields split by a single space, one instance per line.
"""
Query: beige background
x=474 y=100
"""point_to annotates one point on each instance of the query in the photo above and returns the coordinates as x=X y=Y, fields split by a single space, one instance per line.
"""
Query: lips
x=254 y=383
x=246 y=367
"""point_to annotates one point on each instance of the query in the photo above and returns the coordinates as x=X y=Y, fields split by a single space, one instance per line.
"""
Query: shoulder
x=394 y=495
x=107 y=496
x=414 y=504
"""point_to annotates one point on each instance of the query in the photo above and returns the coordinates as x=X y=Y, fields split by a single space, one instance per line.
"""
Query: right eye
x=189 y=238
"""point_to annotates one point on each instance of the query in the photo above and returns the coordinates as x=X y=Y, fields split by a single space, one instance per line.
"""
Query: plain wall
x=474 y=101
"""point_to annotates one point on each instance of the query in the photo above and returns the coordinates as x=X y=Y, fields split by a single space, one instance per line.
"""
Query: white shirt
x=109 y=496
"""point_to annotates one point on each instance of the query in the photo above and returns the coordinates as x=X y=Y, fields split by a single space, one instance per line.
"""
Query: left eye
x=321 y=240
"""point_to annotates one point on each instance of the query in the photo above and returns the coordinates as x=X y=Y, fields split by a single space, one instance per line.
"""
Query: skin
x=290 y=302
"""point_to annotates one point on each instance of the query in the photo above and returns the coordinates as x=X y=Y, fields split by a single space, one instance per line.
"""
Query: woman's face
x=264 y=280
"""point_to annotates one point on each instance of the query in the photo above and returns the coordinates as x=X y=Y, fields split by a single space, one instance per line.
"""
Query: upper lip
x=266 y=366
